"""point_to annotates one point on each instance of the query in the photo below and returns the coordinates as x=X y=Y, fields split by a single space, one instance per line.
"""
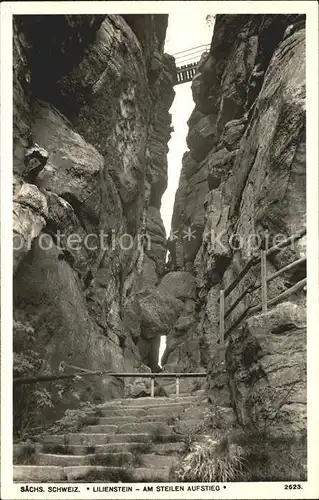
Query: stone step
x=122 y=412
x=112 y=459
x=147 y=460
x=75 y=449
x=101 y=429
x=90 y=439
x=115 y=474
x=131 y=419
x=168 y=448
x=148 y=401
x=151 y=460
x=156 y=427
x=149 y=475
x=168 y=410
x=87 y=473
x=141 y=411
x=38 y=474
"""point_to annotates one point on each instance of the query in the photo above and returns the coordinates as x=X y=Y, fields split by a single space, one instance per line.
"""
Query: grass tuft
x=207 y=463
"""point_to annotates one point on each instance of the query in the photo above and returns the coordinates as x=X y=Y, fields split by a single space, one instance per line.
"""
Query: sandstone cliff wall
x=245 y=175
x=91 y=126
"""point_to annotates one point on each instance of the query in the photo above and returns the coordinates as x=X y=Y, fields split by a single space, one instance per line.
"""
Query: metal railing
x=265 y=303
x=186 y=62
x=189 y=55
x=82 y=372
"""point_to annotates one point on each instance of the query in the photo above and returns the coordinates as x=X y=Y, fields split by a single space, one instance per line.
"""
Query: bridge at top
x=186 y=62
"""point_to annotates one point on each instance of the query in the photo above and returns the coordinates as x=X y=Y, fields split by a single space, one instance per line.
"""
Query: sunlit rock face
x=244 y=177
x=91 y=126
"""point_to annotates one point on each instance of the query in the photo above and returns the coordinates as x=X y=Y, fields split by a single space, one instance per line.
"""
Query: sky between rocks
x=186 y=29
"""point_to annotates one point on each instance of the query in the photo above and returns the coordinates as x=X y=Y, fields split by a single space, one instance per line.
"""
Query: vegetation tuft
x=246 y=456
x=207 y=463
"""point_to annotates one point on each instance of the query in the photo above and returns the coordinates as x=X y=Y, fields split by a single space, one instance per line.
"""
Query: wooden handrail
x=253 y=288
x=249 y=289
x=286 y=242
x=287 y=268
x=254 y=309
x=50 y=378
x=255 y=260
x=251 y=263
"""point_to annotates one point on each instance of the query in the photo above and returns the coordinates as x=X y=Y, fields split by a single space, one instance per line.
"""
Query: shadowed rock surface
x=244 y=176
x=91 y=126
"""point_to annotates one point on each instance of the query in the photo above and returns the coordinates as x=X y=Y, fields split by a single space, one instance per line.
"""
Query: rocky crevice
x=244 y=175
x=92 y=93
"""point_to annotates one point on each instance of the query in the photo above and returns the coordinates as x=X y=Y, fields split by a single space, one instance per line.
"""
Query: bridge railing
x=263 y=285
x=189 y=56
x=84 y=373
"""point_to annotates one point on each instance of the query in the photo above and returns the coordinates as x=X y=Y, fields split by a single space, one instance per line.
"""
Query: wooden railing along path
x=265 y=303
x=83 y=372
x=263 y=306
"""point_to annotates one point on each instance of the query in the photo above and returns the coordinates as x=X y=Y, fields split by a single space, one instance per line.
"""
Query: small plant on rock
x=208 y=462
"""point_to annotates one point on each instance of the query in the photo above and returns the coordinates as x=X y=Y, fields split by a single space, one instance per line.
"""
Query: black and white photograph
x=160 y=192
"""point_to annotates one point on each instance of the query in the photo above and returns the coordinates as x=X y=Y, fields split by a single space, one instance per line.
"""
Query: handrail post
x=263 y=260
x=152 y=387
x=177 y=386
x=221 y=318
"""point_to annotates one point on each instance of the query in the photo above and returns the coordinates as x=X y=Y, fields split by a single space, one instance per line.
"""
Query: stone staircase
x=133 y=440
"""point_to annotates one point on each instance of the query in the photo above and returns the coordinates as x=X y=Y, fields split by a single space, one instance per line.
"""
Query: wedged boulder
x=159 y=310
x=181 y=284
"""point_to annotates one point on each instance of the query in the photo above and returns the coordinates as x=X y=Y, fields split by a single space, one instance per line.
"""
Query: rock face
x=91 y=126
x=243 y=180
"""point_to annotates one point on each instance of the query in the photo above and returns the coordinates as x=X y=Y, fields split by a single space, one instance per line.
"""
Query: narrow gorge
x=97 y=281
